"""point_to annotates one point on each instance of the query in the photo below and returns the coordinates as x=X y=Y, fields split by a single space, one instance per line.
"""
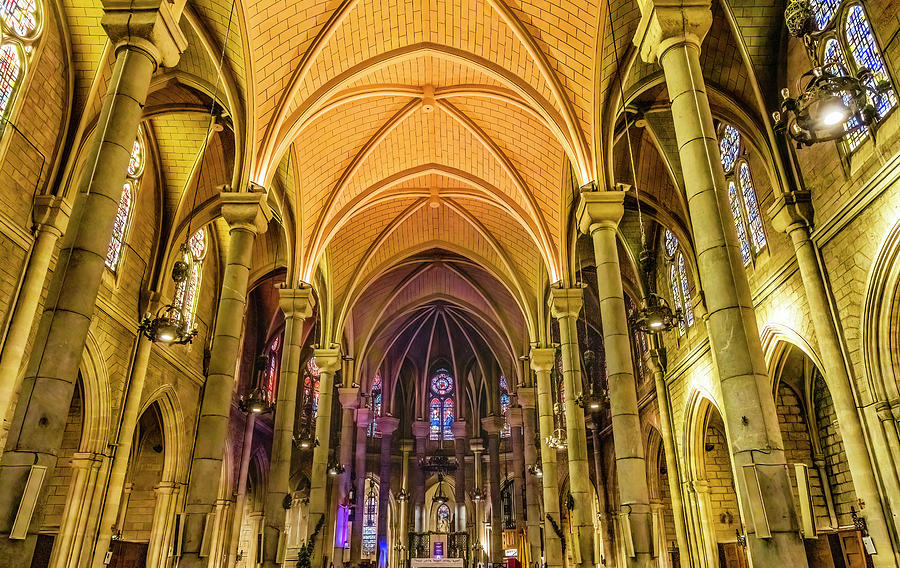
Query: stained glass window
x=440 y=409
x=857 y=43
x=311 y=388
x=10 y=69
x=126 y=202
x=686 y=291
x=443 y=517
x=370 y=519
x=20 y=27
x=375 y=405
x=676 y=296
x=272 y=367
x=187 y=292
x=742 y=195
x=752 y=207
x=504 y=407
x=729 y=146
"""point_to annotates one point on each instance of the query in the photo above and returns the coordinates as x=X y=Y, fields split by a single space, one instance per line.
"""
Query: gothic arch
x=881 y=322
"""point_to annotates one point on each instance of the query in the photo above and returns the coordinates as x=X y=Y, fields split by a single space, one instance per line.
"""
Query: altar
x=437 y=563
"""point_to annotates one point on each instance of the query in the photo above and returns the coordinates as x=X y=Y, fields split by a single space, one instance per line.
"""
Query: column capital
x=387 y=425
x=148 y=25
x=349 y=397
x=328 y=359
x=459 y=429
x=51 y=213
x=526 y=396
x=599 y=210
x=421 y=429
x=476 y=445
x=363 y=417
x=514 y=416
x=245 y=210
x=791 y=211
x=565 y=302
x=656 y=360
x=669 y=23
x=296 y=302
x=493 y=424
x=542 y=359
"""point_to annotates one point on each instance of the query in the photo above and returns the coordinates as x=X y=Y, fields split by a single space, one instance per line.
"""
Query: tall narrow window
x=20 y=24
x=370 y=519
x=678 y=281
x=311 y=388
x=741 y=195
x=441 y=406
x=187 y=292
x=126 y=204
x=850 y=45
x=443 y=518
x=504 y=407
x=273 y=365
x=375 y=400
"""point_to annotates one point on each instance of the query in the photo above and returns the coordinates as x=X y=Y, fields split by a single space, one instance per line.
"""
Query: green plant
x=304 y=555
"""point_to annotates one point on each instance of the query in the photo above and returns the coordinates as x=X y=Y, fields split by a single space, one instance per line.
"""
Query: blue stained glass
x=686 y=291
x=866 y=55
x=676 y=295
x=752 y=207
x=504 y=410
x=441 y=382
x=834 y=56
x=435 y=418
x=671 y=244
x=448 y=419
x=370 y=521
x=739 y=223
x=729 y=147
x=823 y=11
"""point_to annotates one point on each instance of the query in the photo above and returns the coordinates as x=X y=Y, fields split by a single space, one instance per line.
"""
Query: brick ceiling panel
x=567 y=34
x=194 y=60
x=283 y=31
x=427 y=70
x=179 y=138
x=429 y=138
x=217 y=17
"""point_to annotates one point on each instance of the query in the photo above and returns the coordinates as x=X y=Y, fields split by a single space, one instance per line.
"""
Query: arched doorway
x=713 y=489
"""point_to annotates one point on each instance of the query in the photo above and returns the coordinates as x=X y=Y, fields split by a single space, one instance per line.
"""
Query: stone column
x=673 y=467
x=36 y=430
x=246 y=215
x=406 y=448
x=514 y=418
x=793 y=214
x=51 y=215
x=460 y=430
x=329 y=361
x=130 y=410
x=420 y=430
x=69 y=540
x=605 y=524
x=599 y=214
x=565 y=303
x=240 y=498
x=526 y=398
x=387 y=425
x=477 y=447
x=363 y=420
x=492 y=426
x=671 y=33
x=157 y=549
x=349 y=399
x=542 y=361
x=296 y=304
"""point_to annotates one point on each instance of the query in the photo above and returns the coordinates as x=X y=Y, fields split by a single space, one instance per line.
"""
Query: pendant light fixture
x=256 y=401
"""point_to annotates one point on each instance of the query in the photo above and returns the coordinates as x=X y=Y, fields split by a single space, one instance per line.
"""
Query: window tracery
x=311 y=378
x=440 y=409
x=187 y=292
x=850 y=45
x=504 y=407
x=678 y=281
x=376 y=398
x=126 y=202
x=370 y=519
x=273 y=364
x=20 y=22
x=741 y=195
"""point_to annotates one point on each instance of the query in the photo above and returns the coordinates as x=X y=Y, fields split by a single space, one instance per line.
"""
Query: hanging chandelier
x=439 y=496
x=536 y=470
x=439 y=462
x=335 y=468
x=654 y=315
x=305 y=439
x=170 y=325
x=256 y=401
x=831 y=103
